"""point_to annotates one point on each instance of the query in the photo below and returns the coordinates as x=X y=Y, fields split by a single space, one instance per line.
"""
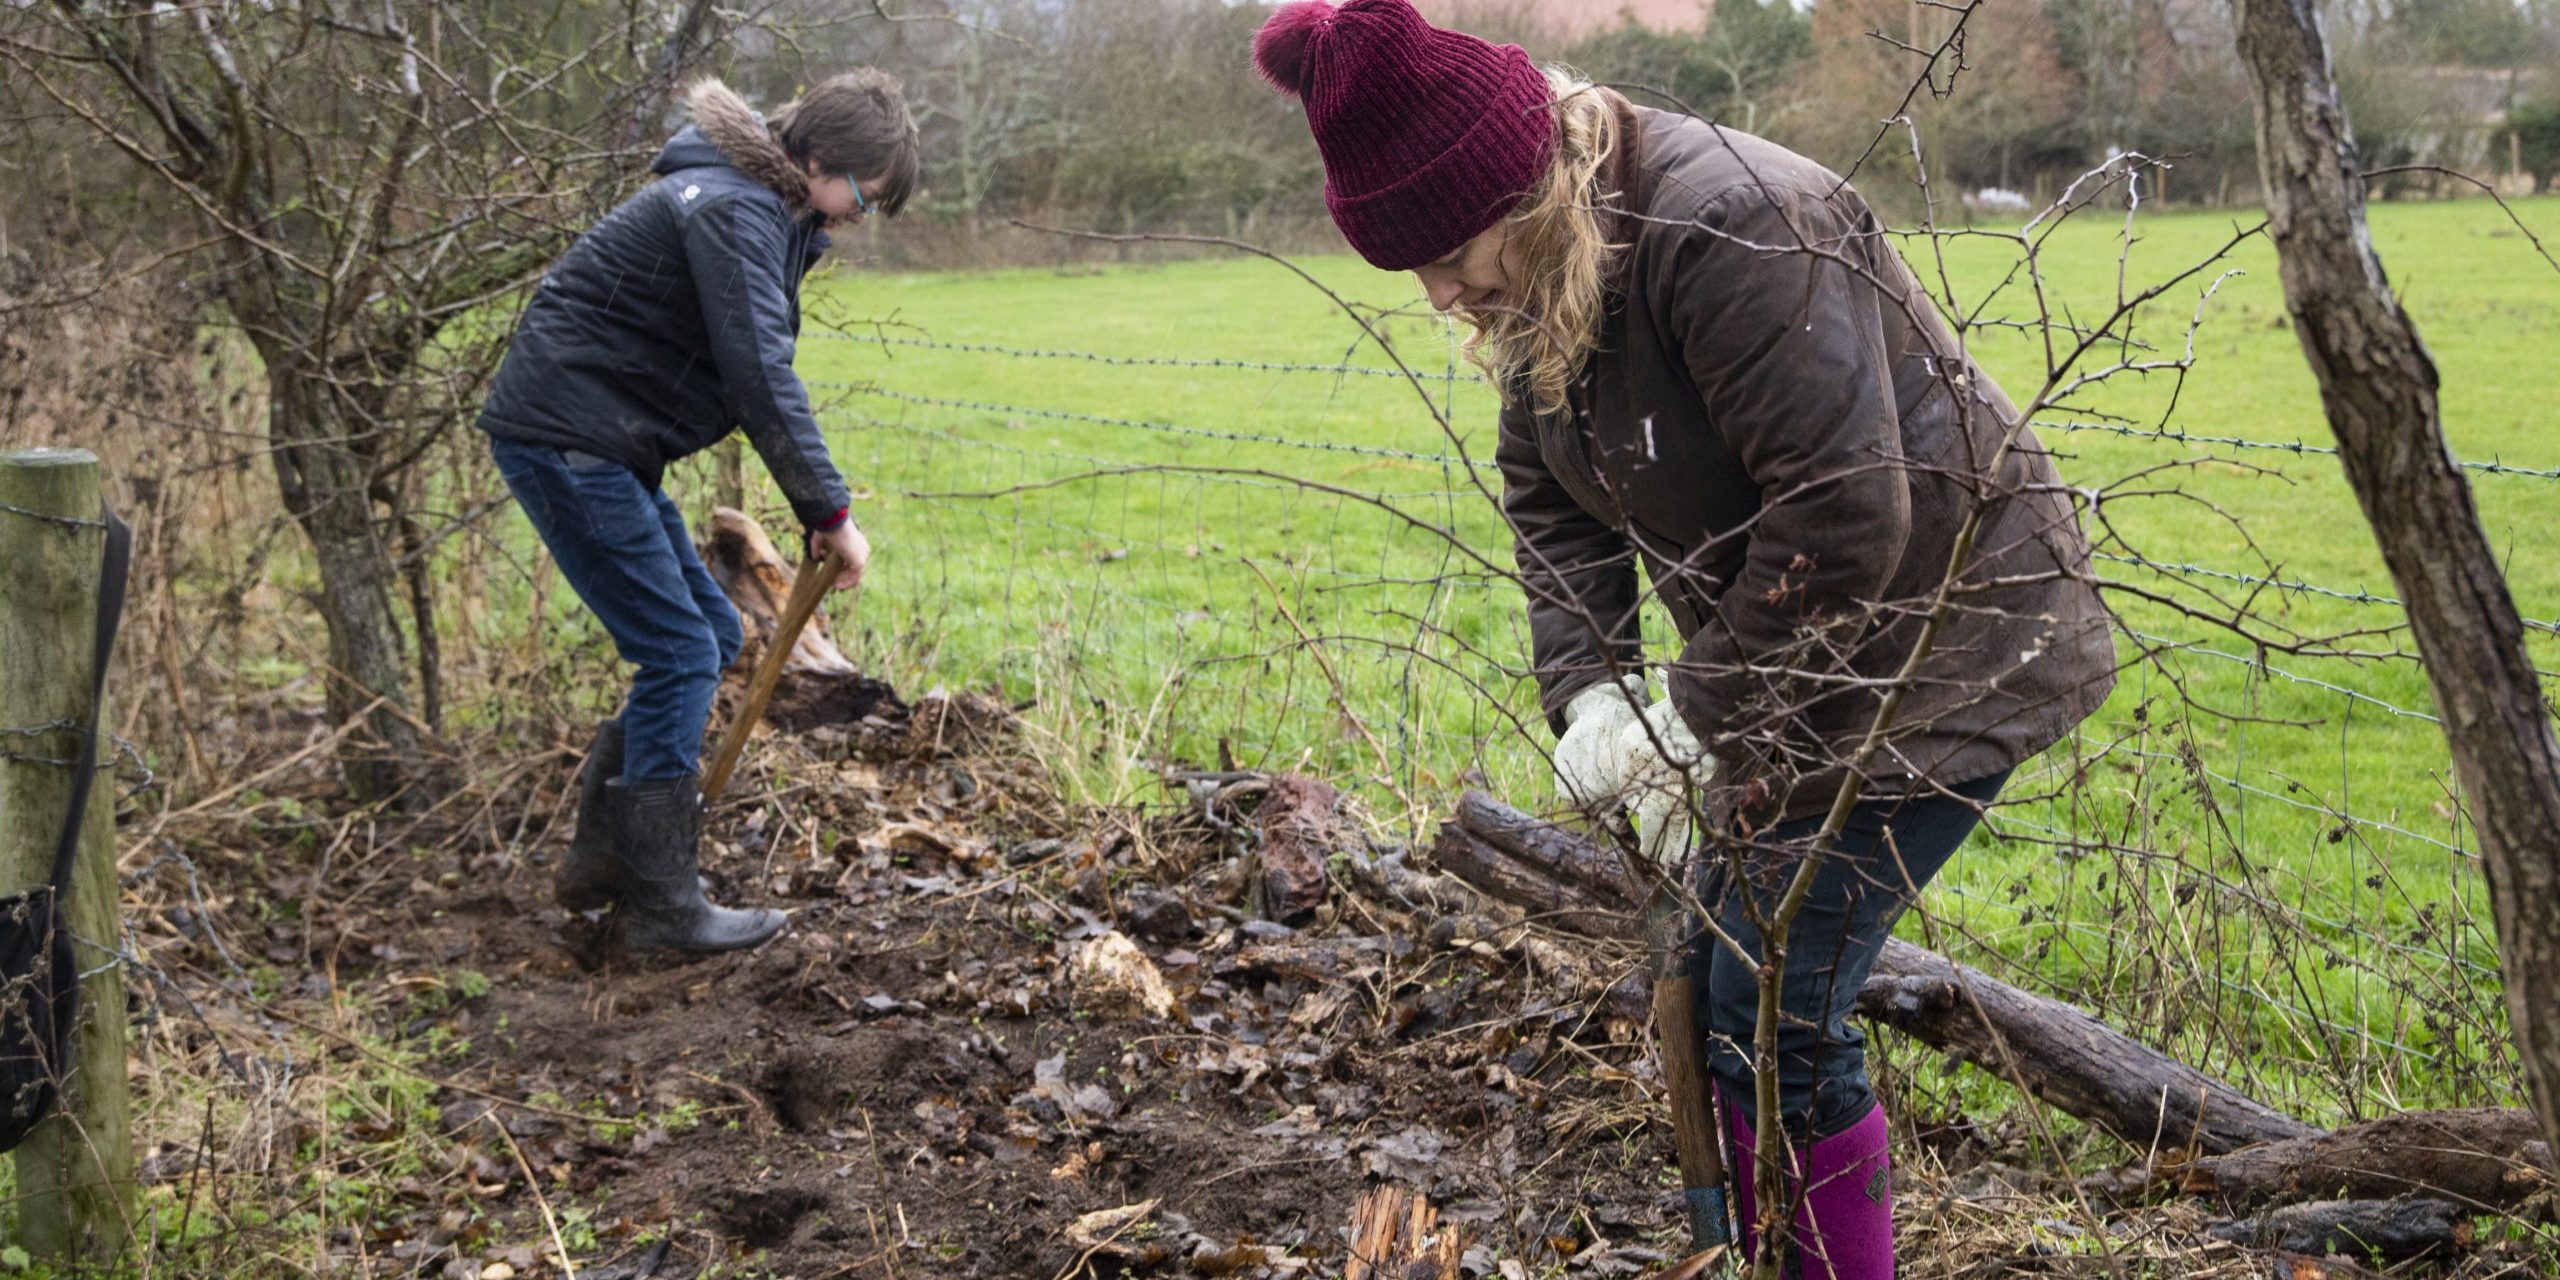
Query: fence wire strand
x=1102 y=547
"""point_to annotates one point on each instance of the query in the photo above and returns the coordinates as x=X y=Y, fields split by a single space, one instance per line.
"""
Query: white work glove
x=1591 y=765
x=1663 y=765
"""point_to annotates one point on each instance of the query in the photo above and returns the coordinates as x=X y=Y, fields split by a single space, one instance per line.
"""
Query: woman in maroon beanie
x=1712 y=364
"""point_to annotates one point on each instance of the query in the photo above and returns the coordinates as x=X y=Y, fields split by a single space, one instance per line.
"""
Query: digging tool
x=1693 y=1123
x=1684 y=1059
x=807 y=589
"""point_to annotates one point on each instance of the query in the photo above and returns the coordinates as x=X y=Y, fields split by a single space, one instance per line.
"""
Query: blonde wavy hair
x=1550 y=318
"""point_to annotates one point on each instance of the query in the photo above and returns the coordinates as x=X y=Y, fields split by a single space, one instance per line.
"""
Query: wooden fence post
x=74 y=1193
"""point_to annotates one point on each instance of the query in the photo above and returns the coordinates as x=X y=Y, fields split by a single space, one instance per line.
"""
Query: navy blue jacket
x=671 y=323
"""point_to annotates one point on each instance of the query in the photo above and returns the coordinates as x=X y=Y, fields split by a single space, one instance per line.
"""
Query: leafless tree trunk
x=2378 y=387
x=407 y=172
x=325 y=484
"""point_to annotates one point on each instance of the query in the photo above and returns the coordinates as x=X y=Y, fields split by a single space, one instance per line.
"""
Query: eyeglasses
x=861 y=203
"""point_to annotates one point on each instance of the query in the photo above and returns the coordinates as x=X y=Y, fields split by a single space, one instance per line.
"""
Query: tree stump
x=819 y=685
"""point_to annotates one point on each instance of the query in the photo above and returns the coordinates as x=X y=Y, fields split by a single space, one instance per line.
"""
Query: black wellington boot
x=657 y=832
x=587 y=878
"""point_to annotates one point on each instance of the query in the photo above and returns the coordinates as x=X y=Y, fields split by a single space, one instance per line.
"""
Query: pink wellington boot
x=1844 y=1223
x=1744 y=1162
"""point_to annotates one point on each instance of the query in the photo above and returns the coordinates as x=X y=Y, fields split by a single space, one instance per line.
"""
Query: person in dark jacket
x=666 y=326
x=1715 y=367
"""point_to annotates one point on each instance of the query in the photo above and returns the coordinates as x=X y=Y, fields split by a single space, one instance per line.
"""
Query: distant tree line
x=1136 y=115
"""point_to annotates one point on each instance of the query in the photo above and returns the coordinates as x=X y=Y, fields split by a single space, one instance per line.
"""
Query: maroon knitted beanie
x=1428 y=136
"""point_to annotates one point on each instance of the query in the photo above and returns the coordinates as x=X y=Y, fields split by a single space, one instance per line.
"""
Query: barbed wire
x=125 y=760
x=68 y=522
x=2357 y=596
x=2330 y=812
x=2297 y=446
x=1098 y=460
x=2069 y=924
x=1101 y=358
x=1122 y=541
x=2259 y=664
x=1165 y=428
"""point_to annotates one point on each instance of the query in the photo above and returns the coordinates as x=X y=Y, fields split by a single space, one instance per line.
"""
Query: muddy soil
x=922 y=1078
x=909 y=1082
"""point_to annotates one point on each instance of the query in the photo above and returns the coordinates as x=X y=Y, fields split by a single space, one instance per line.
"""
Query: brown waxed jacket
x=1772 y=428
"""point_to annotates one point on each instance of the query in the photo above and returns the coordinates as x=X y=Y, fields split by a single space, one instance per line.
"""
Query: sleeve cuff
x=822 y=526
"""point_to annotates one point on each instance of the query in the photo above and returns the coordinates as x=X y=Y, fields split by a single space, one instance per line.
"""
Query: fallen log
x=2245 y=1152
x=2064 y=1057
x=2393 y=1230
x=1477 y=862
x=2056 y=1052
x=1558 y=854
x=2482 y=1158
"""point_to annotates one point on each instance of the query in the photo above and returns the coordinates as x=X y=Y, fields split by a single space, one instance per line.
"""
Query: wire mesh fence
x=1240 y=545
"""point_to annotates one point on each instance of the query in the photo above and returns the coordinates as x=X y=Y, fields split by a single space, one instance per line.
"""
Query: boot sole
x=639 y=941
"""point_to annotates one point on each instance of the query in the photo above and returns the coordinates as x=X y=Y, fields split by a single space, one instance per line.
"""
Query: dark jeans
x=1855 y=898
x=624 y=550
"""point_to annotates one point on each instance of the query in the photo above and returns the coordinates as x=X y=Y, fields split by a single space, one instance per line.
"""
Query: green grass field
x=2261 y=868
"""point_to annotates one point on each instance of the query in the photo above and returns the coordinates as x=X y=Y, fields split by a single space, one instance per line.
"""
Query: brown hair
x=1538 y=341
x=855 y=125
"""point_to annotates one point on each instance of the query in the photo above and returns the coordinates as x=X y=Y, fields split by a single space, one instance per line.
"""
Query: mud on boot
x=588 y=878
x=657 y=835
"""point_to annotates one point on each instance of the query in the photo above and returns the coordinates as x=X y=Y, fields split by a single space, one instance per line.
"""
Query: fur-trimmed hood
x=726 y=129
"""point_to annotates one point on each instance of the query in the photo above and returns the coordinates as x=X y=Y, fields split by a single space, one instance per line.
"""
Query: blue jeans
x=624 y=550
x=1851 y=908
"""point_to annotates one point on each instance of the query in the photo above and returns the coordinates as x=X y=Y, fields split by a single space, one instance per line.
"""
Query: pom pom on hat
x=1280 y=48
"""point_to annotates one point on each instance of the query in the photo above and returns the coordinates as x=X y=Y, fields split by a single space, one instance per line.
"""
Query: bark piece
x=1158 y=917
x=2395 y=1230
x=2483 y=1157
x=1301 y=830
x=1315 y=960
x=1123 y=1233
x=1397 y=1235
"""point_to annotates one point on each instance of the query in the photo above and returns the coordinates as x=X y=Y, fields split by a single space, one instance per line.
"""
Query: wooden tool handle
x=1684 y=1074
x=807 y=589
